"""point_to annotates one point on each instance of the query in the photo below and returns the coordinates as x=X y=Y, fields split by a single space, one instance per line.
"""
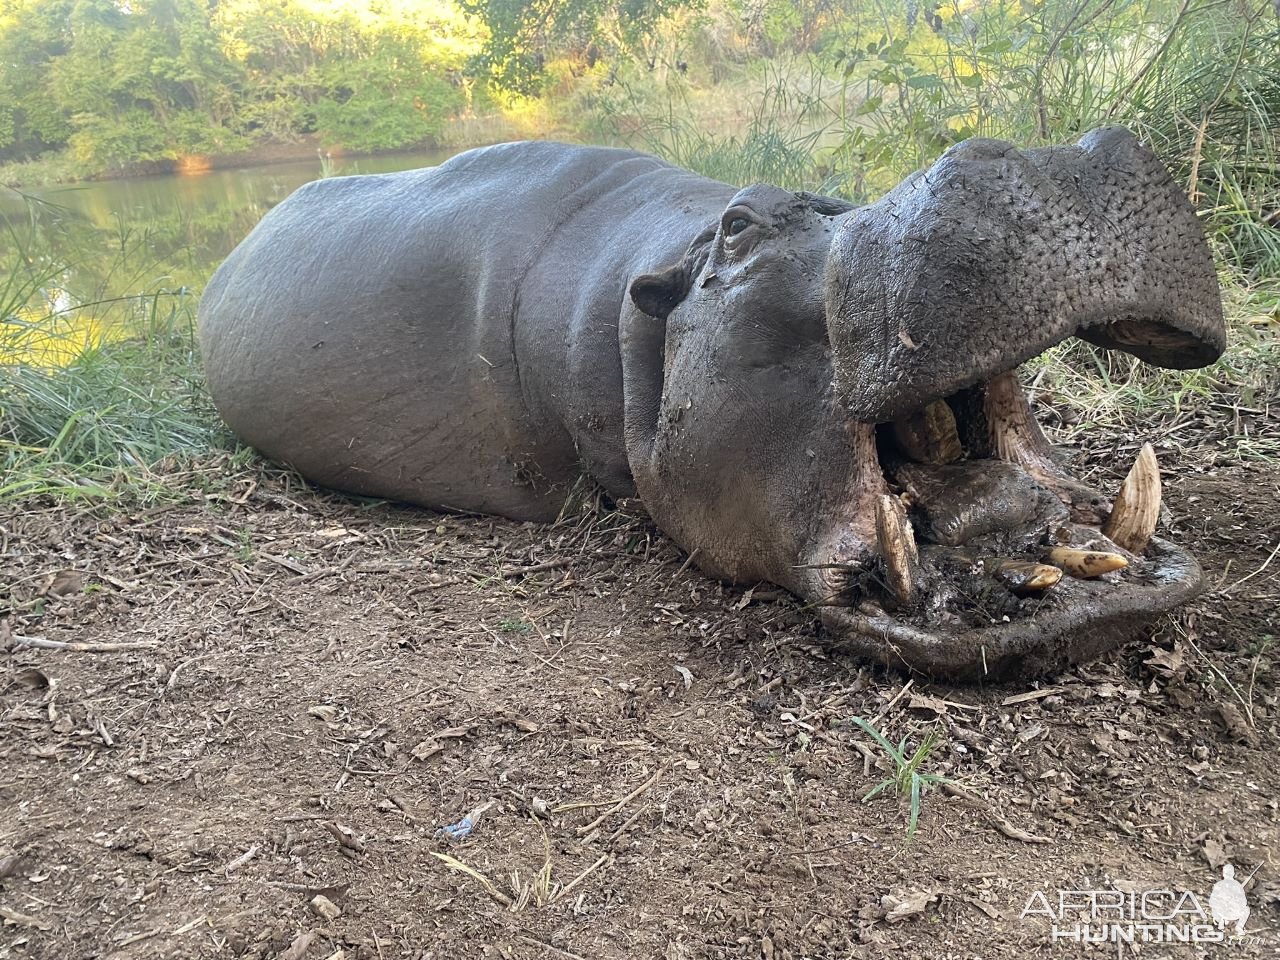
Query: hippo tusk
x=1086 y=564
x=1137 y=509
x=898 y=547
x=1022 y=576
x=1014 y=433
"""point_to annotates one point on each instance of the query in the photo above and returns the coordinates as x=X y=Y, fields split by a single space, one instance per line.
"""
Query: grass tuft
x=907 y=781
x=99 y=395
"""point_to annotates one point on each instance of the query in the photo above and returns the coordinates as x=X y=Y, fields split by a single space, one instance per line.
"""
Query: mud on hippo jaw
x=987 y=557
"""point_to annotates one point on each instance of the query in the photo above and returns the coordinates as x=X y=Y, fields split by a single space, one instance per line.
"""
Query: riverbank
x=461 y=133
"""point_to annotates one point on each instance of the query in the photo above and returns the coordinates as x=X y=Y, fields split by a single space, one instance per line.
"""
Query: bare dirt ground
x=309 y=688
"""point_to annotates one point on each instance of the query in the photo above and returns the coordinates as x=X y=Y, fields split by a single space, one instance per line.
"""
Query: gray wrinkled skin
x=477 y=336
x=994 y=255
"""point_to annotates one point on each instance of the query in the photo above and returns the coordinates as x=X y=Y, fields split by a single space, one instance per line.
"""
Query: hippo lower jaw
x=970 y=552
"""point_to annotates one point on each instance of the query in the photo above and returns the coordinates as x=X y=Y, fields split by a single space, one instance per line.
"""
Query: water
x=92 y=260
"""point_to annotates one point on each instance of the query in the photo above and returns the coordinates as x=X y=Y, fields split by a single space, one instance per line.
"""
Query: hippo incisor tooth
x=1086 y=564
x=1137 y=508
x=930 y=435
x=1023 y=576
x=898 y=547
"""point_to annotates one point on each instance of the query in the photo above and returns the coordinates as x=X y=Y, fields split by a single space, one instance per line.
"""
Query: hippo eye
x=737 y=225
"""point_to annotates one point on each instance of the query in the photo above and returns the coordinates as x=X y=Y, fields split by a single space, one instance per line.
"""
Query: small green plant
x=515 y=625
x=245 y=552
x=907 y=779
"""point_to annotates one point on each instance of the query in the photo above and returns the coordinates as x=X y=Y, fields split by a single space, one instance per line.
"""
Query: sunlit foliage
x=118 y=84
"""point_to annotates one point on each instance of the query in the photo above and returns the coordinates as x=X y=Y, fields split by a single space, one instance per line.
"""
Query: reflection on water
x=95 y=256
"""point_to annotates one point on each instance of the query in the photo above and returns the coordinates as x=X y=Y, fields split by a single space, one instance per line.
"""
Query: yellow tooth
x=1086 y=564
x=929 y=436
x=898 y=547
x=1137 y=508
x=1022 y=576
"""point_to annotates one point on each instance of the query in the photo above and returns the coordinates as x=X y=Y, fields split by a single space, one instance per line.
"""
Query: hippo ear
x=657 y=294
x=827 y=206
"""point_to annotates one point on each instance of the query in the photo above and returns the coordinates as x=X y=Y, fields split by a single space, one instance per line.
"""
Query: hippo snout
x=993 y=255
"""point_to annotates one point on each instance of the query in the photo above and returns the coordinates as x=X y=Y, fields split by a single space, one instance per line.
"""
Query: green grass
x=108 y=423
x=100 y=395
x=50 y=168
x=1094 y=389
x=908 y=779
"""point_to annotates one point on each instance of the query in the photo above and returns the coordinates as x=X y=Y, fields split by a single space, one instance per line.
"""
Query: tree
x=522 y=35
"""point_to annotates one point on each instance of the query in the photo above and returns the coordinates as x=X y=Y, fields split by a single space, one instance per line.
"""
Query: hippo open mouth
x=979 y=553
x=985 y=545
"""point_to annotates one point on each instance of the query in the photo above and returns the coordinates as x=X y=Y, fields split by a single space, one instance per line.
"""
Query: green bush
x=384 y=103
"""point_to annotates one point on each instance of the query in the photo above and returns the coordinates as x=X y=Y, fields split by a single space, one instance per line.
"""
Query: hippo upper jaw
x=994 y=255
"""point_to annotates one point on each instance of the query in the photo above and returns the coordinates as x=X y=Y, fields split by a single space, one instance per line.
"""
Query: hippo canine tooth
x=930 y=435
x=1014 y=433
x=1086 y=564
x=1023 y=576
x=1137 y=508
x=898 y=547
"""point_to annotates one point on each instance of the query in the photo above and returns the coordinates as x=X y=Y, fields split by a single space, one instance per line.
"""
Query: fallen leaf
x=453 y=733
x=65 y=582
x=1215 y=853
x=686 y=674
x=1169 y=664
x=426 y=749
x=909 y=904
x=31 y=678
x=1234 y=721
x=921 y=701
x=520 y=723
x=11 y=865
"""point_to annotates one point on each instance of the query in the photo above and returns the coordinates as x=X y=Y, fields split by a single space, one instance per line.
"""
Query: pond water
x=84 y=258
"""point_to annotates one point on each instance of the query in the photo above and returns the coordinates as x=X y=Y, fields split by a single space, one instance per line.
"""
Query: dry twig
x=72 y=646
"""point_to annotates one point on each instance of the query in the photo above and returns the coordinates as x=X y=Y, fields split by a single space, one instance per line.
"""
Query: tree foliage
x=118 y=83
x=523 y=34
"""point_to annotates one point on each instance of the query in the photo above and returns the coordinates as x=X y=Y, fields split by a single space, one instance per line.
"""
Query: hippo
x=799 y=391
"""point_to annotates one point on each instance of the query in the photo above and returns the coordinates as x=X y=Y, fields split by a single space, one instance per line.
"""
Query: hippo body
x=449 y=336
x=797 y=389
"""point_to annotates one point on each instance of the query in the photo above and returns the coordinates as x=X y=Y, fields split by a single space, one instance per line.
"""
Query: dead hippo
x=800 y=391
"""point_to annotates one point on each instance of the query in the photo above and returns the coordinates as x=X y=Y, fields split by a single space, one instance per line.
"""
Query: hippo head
x=832 y=401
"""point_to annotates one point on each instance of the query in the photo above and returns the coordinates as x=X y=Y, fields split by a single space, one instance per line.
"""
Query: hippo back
x=368 y=331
